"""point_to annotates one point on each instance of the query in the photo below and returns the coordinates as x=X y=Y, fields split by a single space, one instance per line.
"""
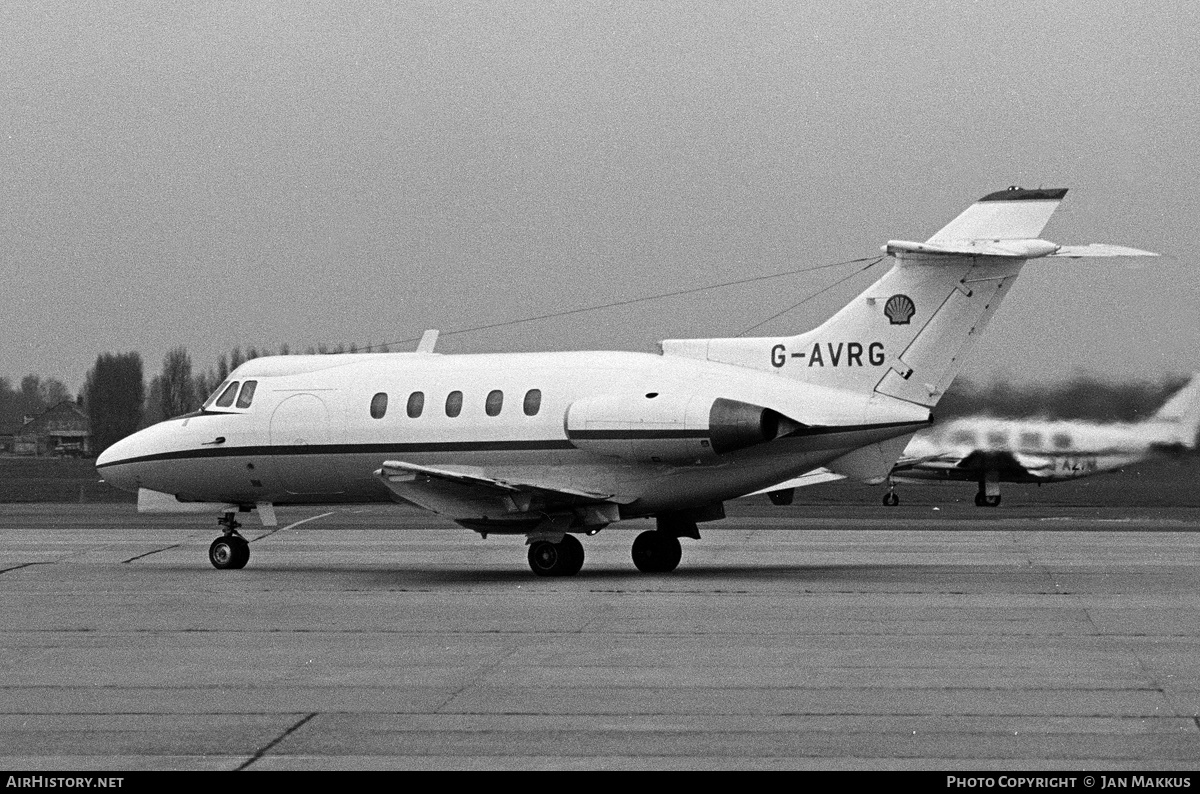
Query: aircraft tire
x=656 y=552
x=229 y=552
x=983 y=500
x=556 y=559
x=571 y=544
x=891 y=499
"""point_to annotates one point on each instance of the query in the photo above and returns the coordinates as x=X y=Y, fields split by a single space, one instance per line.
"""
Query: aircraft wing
x=1009 y=465
x=810 y=478
x=469 y=491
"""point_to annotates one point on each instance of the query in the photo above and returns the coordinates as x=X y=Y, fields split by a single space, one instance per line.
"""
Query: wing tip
x=1015 y=193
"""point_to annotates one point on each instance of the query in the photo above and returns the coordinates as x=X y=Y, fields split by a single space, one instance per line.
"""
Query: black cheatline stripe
x=471 y=446
x=351 y=449
x=635 y=435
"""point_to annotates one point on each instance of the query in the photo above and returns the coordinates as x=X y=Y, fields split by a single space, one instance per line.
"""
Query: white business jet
x=555 y=445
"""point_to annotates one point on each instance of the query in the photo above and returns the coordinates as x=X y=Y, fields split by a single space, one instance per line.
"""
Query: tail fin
x=1184 y=408
x=1013 y=214
x=907 y=334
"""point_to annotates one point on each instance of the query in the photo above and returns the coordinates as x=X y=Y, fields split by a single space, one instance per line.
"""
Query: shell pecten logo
x=899 y=309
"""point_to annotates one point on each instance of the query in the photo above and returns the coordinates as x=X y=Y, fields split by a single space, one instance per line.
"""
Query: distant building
x=62 y=430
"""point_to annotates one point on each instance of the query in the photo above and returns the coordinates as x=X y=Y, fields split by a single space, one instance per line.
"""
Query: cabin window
x=963 y=437
x=454 y=403
x=1062 y=441
x=243 y=400
x=378 y=405
x=1031 y=440
x=533 y=401
x=495 y=401
x=226 y=398
x=416 y=404
x=997 y=439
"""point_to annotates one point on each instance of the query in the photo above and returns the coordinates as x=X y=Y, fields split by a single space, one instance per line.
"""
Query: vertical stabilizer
x=906 y=336
x=1184 y=408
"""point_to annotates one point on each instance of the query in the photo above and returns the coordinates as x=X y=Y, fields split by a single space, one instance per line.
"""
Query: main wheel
x=983 y=500
x=891 y=499
x=229 y=552
x=564 y=558
x=656 y=552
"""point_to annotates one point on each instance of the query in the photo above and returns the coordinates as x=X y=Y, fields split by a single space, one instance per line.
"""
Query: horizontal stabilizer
x=1016 y=249
x=1098 y=249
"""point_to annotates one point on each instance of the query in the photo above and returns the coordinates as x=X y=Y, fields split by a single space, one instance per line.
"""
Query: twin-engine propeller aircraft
x=554 y=445
x=991 y=451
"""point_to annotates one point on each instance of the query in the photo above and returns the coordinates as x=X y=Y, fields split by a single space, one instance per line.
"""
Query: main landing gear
x=989 y=490
x=658 y=550
x=983 y=499
x=891 y=498
x=654 y=551
x=564 y=558
x=231 y=550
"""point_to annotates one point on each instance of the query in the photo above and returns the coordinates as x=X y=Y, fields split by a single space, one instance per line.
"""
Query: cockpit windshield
x=227 y=392
x=243 y=400
x=226 y=398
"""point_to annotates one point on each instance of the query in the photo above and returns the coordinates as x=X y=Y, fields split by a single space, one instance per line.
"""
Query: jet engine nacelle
x=660 y=428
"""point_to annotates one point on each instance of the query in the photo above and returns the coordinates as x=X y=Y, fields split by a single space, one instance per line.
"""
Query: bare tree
x=53 y=391
x=114 y=394
x=178 y=387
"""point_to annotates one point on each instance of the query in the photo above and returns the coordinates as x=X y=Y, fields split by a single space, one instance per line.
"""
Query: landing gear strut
x=989 y=492
x=231 y=550
x=564 y=558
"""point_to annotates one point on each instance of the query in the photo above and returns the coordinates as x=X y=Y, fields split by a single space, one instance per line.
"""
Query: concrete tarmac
x=827 y=637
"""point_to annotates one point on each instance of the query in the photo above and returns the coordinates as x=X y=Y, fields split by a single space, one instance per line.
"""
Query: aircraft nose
x=113 y=465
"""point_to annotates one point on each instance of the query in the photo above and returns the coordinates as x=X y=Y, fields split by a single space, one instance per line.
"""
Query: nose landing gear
x=231 y=550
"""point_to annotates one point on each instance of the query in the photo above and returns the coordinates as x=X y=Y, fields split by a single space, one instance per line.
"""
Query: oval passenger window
x=533 y=401
x=416 y=404
x=378 y=405
x=495 y=401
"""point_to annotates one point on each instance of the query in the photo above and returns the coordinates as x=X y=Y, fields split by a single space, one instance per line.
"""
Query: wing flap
x=810 y=478
x=470 y=492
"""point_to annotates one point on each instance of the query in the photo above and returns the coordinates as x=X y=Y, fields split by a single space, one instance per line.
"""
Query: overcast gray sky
x=251 y=173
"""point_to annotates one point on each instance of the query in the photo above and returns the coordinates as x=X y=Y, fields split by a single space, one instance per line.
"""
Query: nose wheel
x=231 y=550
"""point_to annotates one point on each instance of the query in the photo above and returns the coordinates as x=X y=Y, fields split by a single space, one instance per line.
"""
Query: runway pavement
x=830 y=637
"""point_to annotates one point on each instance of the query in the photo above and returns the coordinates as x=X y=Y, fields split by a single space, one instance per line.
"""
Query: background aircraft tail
x=1184 y=408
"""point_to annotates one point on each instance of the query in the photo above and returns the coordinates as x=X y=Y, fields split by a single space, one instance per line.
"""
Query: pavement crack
x=23 y=565
x=263 y=750
x=155 y=551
